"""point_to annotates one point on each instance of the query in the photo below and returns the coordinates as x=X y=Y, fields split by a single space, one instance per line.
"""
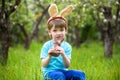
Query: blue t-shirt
x=55 y=62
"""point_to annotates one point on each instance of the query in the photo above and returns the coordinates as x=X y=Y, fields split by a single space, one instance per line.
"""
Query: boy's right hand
x=53 y=52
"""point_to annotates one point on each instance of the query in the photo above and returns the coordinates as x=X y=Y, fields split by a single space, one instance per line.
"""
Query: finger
x=58 y=51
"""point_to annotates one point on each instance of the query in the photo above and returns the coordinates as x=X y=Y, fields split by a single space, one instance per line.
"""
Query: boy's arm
x=65 y=58
x=45 y=61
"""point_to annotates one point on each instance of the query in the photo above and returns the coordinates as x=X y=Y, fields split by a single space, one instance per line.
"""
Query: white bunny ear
x=66 y=10
x=53 y=10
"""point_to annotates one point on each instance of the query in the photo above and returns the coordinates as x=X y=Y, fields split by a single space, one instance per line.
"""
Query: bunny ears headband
x=53 y=12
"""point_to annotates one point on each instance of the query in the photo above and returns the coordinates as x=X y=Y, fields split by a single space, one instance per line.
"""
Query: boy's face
x=57 y=33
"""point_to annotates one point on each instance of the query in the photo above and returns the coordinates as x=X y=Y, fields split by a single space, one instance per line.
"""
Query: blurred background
x=93 y=32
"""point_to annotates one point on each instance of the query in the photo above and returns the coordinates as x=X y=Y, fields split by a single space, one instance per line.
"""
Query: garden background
x=94 y=33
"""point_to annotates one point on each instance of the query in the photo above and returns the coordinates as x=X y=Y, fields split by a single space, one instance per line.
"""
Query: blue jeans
x=65 y=75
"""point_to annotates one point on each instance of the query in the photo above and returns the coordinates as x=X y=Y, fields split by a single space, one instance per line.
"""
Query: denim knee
x=55 y=75
x=75 y=75
x=78 y=75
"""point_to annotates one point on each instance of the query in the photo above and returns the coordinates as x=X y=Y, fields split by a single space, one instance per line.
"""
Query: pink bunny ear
x=53 y=10
x=66 y=11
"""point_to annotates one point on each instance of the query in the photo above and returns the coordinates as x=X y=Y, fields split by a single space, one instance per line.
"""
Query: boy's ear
x=53 y=10
x=66 y=11
x=49 y=32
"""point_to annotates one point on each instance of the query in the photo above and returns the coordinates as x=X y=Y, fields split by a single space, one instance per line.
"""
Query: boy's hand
x=59 y=50
x=54 y=52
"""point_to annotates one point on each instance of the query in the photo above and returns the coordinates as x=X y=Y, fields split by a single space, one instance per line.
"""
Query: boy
x=56 y=53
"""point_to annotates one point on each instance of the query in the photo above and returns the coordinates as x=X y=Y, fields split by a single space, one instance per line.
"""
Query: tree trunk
x=5 y=29
x=117 y=23
x=27 y=39
x=108 y=46
x=77 y=33
x=108 y=32
x=5 y=43
x=36 y=29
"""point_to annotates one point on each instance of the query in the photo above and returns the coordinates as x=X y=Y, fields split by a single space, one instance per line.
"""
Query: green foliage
x=23 y=15
x=25 y=65
x=84 y=13
x=89 y=58
x=22 y=64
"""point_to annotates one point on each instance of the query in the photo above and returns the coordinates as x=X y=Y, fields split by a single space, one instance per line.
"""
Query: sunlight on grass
x=25 y=65
x=90 y=59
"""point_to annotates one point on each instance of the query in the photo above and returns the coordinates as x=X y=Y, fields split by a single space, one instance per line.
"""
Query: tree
x=106 y=29
x=28 y=22
x=106 y=14
x=117 y=21
x=107 y=21
x=5 y=12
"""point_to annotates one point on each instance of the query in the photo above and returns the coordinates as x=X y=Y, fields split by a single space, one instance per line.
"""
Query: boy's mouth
x=59 y=39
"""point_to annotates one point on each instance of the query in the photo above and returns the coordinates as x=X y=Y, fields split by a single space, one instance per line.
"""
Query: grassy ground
x=25 y=65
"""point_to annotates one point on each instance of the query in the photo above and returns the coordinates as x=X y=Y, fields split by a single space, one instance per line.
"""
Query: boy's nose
x=58 y=32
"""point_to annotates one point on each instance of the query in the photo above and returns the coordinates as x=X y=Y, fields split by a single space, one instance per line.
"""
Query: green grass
x=25 y=65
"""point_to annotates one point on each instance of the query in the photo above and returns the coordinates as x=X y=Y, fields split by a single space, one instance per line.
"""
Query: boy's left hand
x=59 y=50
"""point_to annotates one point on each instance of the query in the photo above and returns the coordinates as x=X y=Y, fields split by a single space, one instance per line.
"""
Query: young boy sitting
x=56 y=53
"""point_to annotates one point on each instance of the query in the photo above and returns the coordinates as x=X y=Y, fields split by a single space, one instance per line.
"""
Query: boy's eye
x=61 y=30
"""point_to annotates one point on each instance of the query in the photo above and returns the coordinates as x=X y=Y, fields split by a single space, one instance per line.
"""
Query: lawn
x=25 y=64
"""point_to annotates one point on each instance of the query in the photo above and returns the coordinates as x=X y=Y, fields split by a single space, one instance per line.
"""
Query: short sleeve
x=68 y=51
x=44 y=52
